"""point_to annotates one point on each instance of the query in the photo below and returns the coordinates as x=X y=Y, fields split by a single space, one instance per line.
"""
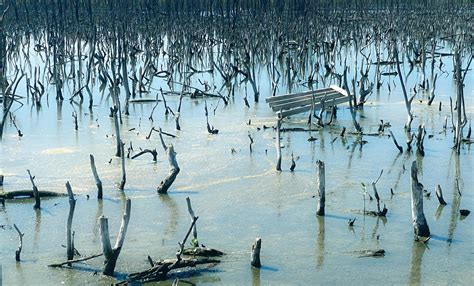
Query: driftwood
x=202 y=251
x=255 y=253
x=321 y=187
x=161 y=269
x=152 y=152
x=28 y=194
x=174 y=171
x=69 y=262
x=112 y=254
x=20 y=243
x=420 y=225
x=98 y=182
x=370 y=253
x=69 y=233
x=35 y=192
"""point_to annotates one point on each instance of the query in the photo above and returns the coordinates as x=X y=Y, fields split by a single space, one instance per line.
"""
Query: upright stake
x=255 y=253
x=278 y=145
x=321 y=187
x=69 y=236
x=35 y=192
x=420 y=225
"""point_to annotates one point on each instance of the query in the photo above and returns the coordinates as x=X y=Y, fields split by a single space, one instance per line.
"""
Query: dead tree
x=278 y=145
x=98 y=182
x=35 y=192
x=420 y=225
x=112 y=254
x=321 y=187
x=351 y=107
x=124 y=175
x=439 y=195
x=255 y=253
x=69 y=232
x=400 y=149
x=405 y=95
x=20 y=243
x=420 y=137
x=173 y=172
x=194 y=242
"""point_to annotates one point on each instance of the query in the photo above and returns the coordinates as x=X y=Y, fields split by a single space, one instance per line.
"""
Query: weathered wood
x=28 y=194
x=69 y=235
x=173 y=172
x=255 y=253
x=69 y=262
x=152 y=152
x=296 y=95
x=278 y=145
x=111 y=254
x=183 y=243
x=124 y=174
x=20 y=243
x=321 y=187
x=98 y=182
x=405 y=95
x=202 y=251
x=35 y=192
x=400 y=149
x=420 y=225
x=294 y=111
x=194 y=242
x=439 y=195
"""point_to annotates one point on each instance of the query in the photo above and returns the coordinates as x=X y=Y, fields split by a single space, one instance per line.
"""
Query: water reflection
x=172 y=210
x=417 y=251
x=95 y=225
x=320 y=242
x=37 y=227
x=255 y=276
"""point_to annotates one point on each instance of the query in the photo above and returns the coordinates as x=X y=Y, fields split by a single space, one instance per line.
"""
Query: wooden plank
x=307 y=101
x=316 y=106
x=339 y=89
x=293 y=95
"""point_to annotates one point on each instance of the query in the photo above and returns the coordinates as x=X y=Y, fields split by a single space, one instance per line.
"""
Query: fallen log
x=69 y=262
x=20 y=194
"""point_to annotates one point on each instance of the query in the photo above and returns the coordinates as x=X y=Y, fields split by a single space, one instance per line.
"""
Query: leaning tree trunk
x=420 y=225
x=174 y=171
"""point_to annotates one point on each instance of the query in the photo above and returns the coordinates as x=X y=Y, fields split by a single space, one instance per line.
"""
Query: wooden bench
x=294 y=103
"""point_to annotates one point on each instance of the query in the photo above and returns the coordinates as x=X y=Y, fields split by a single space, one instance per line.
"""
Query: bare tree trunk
x=439 y=195
x=111 y=255
x=69 y=234
x=124 y=175
x=405 y=95
x=321 y=187
x=174 y=171
x=278 y=145
x=255 y=253
x=420 y=225
x=35 y=192
x=20 y=243
x=194 y=242
x=98 y=182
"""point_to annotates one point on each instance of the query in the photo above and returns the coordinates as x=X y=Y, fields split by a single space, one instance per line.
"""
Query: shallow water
x=239 y=196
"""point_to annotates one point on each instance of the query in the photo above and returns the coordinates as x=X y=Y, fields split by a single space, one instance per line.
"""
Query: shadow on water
x=37 y=227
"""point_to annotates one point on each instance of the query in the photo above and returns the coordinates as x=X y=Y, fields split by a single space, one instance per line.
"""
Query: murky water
x=239 y=196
